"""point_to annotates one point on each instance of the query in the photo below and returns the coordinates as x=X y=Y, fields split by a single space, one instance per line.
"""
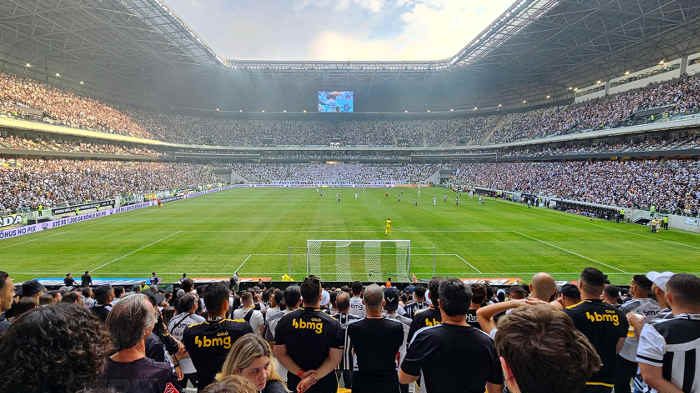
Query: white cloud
x=433 y=29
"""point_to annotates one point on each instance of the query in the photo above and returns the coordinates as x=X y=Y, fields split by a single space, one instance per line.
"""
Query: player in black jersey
x=209 y=342
x=429 y=316
x=376 y=341
x=309 y=344
x=453 y=357
x=605 y=326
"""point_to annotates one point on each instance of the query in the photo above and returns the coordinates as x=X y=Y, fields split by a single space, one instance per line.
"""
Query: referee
x=309 y=344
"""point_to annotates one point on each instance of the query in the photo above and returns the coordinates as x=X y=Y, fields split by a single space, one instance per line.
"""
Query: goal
x=365 y=260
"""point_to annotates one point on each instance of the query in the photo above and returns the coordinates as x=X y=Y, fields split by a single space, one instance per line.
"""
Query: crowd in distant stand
x=50 y=144
x=28 y=183
x=335 y=174
x=671 y=185
x=443 y=337
x=63 y=107
x=679 y=96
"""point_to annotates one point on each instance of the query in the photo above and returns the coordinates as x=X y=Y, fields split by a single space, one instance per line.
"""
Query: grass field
x=263 y=233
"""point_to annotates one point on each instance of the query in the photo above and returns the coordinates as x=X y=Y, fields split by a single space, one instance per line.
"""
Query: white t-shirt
x=256 y=319
x=357 y=308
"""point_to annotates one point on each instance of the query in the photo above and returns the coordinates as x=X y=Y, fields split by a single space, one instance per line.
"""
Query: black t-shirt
x=309 y=335
x=460 y=359
x=209 y=342
x=472 y=319
x=69 y=282
x=140 y=376
x=426 y=318
x=604 y=325
x=376 y=343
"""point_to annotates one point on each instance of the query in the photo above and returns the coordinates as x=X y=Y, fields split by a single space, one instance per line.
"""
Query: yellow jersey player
x=387 y=227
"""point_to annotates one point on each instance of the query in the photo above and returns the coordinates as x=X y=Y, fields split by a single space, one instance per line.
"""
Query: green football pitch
x=263 y=232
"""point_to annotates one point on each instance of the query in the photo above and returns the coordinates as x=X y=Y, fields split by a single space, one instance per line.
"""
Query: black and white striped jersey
x=674 y=345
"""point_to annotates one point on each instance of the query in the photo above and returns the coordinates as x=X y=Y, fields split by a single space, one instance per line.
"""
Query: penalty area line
x=243 y=263
x=467 y=262
x=569 y=251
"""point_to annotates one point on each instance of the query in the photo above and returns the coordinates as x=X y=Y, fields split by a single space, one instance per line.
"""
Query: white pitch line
x=135 y=251
x=300 y=272
x=467 y=262
x=570 y=252
x=243 y=263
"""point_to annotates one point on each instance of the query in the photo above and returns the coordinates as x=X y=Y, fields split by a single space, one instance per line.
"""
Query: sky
x=338 y=30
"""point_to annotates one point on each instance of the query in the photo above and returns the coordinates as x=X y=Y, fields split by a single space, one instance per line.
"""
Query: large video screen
x=336 y=101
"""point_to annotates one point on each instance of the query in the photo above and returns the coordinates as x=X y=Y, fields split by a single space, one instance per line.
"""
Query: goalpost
x=366 y=260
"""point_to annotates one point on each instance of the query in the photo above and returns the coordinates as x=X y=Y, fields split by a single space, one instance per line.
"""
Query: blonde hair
x=243 y=353
x=231 y=384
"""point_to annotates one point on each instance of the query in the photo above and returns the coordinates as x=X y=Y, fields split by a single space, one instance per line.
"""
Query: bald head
x=374 y=294
x=543 y=286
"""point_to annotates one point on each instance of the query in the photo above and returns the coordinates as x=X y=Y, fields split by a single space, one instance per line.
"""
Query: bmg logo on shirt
x=317 y=327
x=432 y=322
x=609 y=316
x=206 y=342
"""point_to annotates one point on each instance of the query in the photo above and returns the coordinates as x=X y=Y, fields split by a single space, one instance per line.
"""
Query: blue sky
x=338 y=29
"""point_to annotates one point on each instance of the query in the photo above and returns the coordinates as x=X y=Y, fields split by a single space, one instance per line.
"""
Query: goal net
x=364 y=260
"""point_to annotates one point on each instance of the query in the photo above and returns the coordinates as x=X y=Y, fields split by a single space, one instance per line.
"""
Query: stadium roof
x=535 y=47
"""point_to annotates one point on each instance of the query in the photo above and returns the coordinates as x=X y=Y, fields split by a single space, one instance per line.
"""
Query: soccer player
x=356 y=195
x=387 y=226
x=434 y=201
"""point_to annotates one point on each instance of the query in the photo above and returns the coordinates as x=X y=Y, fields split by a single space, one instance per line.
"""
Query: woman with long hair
x=251 y=357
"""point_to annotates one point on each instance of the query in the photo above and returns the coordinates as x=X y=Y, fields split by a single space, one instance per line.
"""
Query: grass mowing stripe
x=130 y=253
x=569 y=251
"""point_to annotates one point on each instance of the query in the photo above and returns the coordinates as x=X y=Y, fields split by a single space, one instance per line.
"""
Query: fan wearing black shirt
x=604 y=325
x=418 y=303
x=376 y=341
x=209 y=342
x=453 y=357
x=104 y=294
x=69 y=281
x=129 y=370
x=309 y=344
x=429 y=316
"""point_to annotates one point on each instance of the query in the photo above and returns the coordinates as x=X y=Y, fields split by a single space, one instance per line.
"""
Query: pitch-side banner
x=42 y=226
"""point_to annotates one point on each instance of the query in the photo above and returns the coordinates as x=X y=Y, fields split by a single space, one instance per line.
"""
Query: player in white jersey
x=434 y=201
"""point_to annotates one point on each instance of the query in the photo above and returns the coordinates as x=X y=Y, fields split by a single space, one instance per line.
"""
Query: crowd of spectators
x=63 y=107
x=13 y=142
x=671 y=185
x=443 y=337
x=28 y=183
x=334 y=173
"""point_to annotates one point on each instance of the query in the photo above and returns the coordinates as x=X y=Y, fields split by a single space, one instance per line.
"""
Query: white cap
x=660 y=279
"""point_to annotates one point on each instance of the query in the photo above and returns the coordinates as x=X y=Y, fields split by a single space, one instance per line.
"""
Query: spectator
x=129 y=370
x=418 y=303
x=568 y=295
x=604 y=325
x=309 y=344
x=208 y=342
x=276 y=305
x=186 y=316
x=542 y=352
x=73 y=297
x=375 y=341
x=357 y=307
x=58 y=348
x=231 y=384
x=248 y=313
x=7 y=295
x=429 y=316
x=88 y=297
x=452 y=349
x=668 y=349
x=251 y=357
x=391 y=306
x=104 y=294
x=640 y=303
x=478 y=299
x=611 y=295
x=32 y=290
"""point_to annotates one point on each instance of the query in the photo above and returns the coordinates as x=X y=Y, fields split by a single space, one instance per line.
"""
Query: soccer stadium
x=259 y=156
